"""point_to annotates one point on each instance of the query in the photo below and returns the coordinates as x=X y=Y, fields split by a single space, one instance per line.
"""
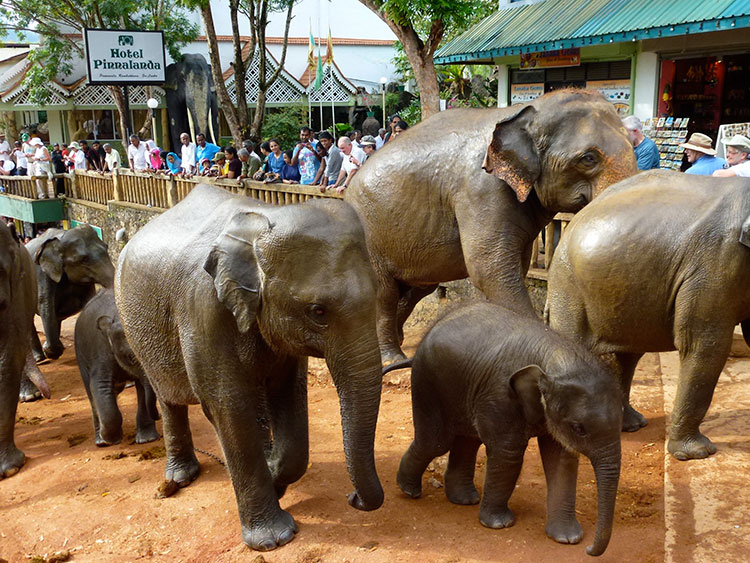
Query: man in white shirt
x=380 y=139
x=738 y=157
x=4 y=148
x=353 y=159
x=112 y=159
x=187 y=154
x=138 y=154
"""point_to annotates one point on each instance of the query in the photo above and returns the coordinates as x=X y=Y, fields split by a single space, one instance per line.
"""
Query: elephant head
x=583 y=411
x=79 y=254
x=567 y=146
x=301 y=277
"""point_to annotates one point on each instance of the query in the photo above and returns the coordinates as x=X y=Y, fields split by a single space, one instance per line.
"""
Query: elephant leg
x=504 y=461
x=561 y=472
x=387 y=321
x=632 y=420
x=11 y=458
x=459 y=476
x=265 y=525
x=145 y=423
x=287 y=402
x=182 y=465
x=408 y=300
x=36 y=347
x=28 y=392
x=700 y=367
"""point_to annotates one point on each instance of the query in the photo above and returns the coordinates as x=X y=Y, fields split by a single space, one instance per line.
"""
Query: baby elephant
x=486 y=375
x=107 y=363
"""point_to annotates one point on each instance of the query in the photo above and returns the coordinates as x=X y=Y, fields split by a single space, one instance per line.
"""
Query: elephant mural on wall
x=107 y=363
x=659 y=262
x=69 y=264
x=486 y=375
x=432 y=215
x=191 y=100
x=17 y=306
x=222 y=299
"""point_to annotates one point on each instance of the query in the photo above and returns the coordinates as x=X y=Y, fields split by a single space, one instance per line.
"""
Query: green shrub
x=412 y=114
x=284 y=125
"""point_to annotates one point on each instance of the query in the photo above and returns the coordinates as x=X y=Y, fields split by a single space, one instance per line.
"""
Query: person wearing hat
x=368 y=145
x=76 y=156
x=738 y=157
x=42 y=166
x=219 y=160
x=702 y=156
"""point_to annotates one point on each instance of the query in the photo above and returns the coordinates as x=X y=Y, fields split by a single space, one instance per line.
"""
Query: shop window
x=527 y=76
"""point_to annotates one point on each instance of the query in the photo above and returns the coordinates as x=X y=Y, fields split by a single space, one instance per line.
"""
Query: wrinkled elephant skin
x=222 y=299
x=431 y=214
x=107 y=363
x=656 y=264
x=17 y=305
x=486 y=375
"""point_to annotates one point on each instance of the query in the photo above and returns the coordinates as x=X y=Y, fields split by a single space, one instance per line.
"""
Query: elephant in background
x=107 y=363
x=222 y=299
x=69 y=264
x=659 y=262
x=18 y=296
x=486 y=375
x=432 y=215
x=191 y=100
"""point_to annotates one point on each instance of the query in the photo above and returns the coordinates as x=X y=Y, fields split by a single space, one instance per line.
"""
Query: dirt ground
x=100 y=505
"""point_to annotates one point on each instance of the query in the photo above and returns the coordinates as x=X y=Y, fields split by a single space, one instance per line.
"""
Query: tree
x=60 y=25
x=420 y=26
x=257 y=13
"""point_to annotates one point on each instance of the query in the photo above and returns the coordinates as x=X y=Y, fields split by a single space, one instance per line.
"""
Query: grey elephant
x=222 y=299
x=107 y=363
x=17 y=306
x=69 y=264
x=486 y=375
x=432 y=215
x=660 y=262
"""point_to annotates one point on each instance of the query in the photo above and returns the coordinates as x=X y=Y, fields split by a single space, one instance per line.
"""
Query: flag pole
x=320 y=98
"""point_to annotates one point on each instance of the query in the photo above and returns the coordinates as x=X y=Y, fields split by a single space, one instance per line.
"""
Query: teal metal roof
x=563 y=24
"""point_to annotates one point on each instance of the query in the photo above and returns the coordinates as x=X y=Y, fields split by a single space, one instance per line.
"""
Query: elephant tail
x=401 y=364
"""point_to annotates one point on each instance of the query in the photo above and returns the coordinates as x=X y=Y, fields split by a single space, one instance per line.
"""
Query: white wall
x=646 y=85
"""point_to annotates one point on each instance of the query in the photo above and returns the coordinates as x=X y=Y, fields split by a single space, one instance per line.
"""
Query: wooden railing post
x=73 y=184
x=172 y=192
x=116 y=185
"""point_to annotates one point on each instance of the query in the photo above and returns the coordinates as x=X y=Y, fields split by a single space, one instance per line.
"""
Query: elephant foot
x=697 y=446
x=182 y=470
x=632 y=420
x=270 y=532
x=410 y=487
x=146 y=435
x=461 y=495
x=53 y=353
x=29 y=391
x=388 y=357
x=11 y=462
x=497 y=518
x=564 y=531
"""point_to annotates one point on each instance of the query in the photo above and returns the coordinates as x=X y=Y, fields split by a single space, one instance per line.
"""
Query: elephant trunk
x=32 y=372
x=53 y=348
x=356 y=372
x=106 y=275
x=607 y=472
x=110 y=418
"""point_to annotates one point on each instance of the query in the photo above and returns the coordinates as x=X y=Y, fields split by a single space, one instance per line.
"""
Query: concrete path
x=707 y=502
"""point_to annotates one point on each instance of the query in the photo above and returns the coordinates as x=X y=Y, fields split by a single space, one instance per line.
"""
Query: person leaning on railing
x=112 y=160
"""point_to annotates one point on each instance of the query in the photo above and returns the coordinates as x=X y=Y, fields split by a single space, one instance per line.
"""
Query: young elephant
x=484 y=374
x=660 y=262
x=107 y=363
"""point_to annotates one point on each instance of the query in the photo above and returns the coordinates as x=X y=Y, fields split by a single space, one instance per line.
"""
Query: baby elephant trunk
x=607 y=472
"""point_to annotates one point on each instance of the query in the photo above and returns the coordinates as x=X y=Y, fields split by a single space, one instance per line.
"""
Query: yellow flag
x=329 y=52
x=311 y=49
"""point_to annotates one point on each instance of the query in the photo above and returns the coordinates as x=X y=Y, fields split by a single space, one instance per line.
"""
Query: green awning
x=564 y=24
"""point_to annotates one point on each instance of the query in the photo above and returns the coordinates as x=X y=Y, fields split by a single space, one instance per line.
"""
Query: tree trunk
x=122 y=122
x=227 y=108
x=429 y=91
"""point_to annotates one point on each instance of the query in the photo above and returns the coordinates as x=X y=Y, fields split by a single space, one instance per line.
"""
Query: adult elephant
x=660 y=262
x=69 y=264
x=222 y=299
x=17 y=306
x=432 y=215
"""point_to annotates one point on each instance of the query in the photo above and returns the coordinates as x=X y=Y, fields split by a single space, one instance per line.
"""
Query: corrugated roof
x=562 y=24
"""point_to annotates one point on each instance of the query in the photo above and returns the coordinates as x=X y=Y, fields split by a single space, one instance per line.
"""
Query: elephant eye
x=578 y=429
x=588 y=160
x=317 y=313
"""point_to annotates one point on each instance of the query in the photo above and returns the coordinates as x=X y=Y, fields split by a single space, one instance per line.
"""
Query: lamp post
x=383 y=80
x=152 y=104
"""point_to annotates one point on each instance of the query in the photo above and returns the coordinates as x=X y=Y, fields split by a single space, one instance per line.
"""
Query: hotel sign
x=547 y=59
x=125 y=57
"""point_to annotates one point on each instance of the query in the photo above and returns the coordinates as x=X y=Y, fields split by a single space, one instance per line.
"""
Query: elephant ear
x=512 y=155
x=527 y=384
x=233 y=264
x=104 y=323
x=49 y=258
